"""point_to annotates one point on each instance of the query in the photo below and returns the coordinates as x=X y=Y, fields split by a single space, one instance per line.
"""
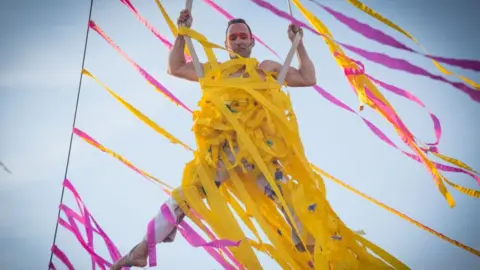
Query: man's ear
x=252 y=44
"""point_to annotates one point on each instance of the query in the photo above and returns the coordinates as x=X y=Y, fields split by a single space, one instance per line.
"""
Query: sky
x=41 y=51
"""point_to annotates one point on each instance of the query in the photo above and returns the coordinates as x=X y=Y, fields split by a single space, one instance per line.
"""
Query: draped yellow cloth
x=250 y=119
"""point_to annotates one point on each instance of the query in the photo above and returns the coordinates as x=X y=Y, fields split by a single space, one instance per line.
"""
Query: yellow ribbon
x=360 y=83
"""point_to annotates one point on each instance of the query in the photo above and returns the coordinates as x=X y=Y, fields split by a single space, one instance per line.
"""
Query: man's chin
x=243 y=54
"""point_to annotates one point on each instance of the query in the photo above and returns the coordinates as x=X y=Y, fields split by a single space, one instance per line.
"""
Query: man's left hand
x=293 y=30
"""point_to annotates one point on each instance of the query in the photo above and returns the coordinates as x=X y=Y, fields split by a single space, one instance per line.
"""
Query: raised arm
x=177 y=65
x=302 y=76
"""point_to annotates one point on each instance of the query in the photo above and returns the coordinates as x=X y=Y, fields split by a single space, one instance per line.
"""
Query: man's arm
x=302 y=77
x=177 y=65
x=305 y=74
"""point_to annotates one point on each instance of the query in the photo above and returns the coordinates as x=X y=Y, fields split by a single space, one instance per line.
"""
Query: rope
x=73 y=126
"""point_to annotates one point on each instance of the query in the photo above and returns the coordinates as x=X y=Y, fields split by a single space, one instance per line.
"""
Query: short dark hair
x=238 y=20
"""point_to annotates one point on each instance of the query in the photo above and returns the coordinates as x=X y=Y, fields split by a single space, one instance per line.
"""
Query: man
x=240 y=41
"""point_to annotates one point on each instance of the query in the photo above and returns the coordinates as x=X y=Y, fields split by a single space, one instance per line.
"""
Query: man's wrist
x=301 y=48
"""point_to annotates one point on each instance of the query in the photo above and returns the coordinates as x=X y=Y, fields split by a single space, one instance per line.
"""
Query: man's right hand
x=185 y=19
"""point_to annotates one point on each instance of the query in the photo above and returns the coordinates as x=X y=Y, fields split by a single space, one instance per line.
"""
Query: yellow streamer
x=360 y=83
x=167 y=188
x=137 y=113
x=454 y=161
x=397 y=213
x=361 y=6
x=170 y=23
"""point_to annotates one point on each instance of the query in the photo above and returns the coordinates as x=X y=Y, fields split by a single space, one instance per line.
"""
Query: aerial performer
x=249 y=151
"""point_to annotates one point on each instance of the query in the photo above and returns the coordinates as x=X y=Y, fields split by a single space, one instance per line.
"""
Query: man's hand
x=293 y=30
x=185 y=19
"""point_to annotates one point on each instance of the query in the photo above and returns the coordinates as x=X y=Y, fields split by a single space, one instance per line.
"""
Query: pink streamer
x=71 y=226
x=150 y=231
x=212 y=252
x=191 y=236
x=147 y=24
x=197 y=241
x=62 y=257
x=86 y=219
x=142 y=72
x=404 y=93
x=403 y=65
x=385 y=138
x=150 y=27
x=112 y=249
x=83 y=135
x=382 y=59
x=385 y=39
x=463 y=63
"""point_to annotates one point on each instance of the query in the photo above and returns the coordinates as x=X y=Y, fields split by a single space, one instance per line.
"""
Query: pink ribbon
x=150 y=229
x=381 y=37
x=142 y=71
x=86 y=219
x=382 y=59
x=62 y=257
x=150 y=27
x=404 y=93
x=193 y=238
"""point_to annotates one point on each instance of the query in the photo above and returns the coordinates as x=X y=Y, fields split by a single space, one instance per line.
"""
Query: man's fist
x=293 y=30
x=185 y=18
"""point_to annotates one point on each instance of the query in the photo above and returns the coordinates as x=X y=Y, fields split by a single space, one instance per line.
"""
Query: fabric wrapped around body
x=250 y=159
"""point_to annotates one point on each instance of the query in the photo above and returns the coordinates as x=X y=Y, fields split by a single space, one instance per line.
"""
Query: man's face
x=239 y=40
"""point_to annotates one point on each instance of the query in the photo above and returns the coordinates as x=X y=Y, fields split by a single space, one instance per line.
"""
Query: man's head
x=239 y=38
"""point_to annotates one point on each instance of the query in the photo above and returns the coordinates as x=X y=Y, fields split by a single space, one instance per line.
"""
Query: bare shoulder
x=270 y=65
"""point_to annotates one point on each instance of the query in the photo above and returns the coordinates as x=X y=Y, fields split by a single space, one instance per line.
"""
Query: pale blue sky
x=41 y=51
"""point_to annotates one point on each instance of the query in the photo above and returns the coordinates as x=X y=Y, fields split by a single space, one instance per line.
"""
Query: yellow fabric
x=268 y=203
x=266 y=206
x=361 y=6
x=256 y=117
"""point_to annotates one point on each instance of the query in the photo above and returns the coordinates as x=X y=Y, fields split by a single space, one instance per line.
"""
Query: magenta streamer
x=385 y=39
x=382 y=59
x=142 y=72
